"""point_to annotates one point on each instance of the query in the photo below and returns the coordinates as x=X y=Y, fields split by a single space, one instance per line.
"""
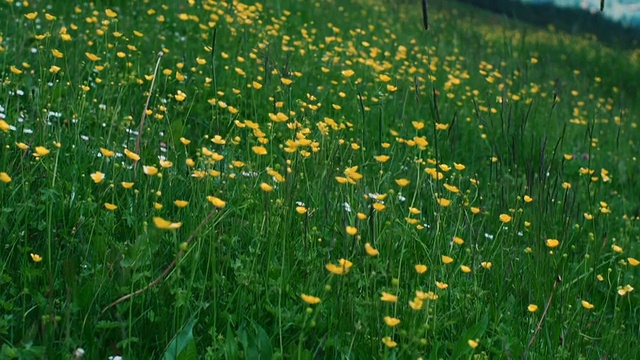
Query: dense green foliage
x=313 y=180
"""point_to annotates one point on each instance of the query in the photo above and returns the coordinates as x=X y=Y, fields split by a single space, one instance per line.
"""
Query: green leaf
x=462 y=347
x=103 y=325
x=264 y=343
x=177 y=129
x=230 y=345
x=183 y=346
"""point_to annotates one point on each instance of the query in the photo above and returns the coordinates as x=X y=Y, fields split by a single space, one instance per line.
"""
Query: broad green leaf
x=183 y=346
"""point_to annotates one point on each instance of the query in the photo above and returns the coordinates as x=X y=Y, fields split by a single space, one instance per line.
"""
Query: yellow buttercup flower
x=309 y=299
x=391 y=321
x=371 y=251
x=386 y=297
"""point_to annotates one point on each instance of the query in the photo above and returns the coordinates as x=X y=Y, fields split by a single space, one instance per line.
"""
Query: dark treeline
x=573 y=21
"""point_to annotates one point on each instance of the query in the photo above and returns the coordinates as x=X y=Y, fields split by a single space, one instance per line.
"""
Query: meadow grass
x=310 y=180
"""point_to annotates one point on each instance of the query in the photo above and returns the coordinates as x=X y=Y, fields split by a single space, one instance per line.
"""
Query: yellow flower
x=110 y=13
x=475 y=210
x=379 y=206
x=505 y=218
x=441 y=285
x=166 y=163
x=371 y=251
x=426 y=295
x=165 y=224
x=421 y=269
x=309 y=299
x=127 y=185
x=444 y=202
x=381 y=158
x=384 y=78
x=391 y=88
x=301 y=210
x=276 y=175
x=22 y=146
x=389 y=342
x=633 y=262
x=217 y=139
x=15 y=70
x=352 y=173
x=259 y=150
x=440 y=126
x=447 y=259
x=451 y=188
x=351 y=230
x=131 y=155
x=391 y=321
x=106 y=152
x=92 y=57
x=616 y=248
x=97 y=177
x=266 y=187
x=587 y=305
x=472 y=343
x=41 y=151
x=622 y=291
x=35 y=257
x=416 y=304
x=219 y=203
x=532 y=307
x=465 y=269
x=418 y=125
x=386 y=297
x=528 y=199
x=110 y=206
x=181 y=203
x=552 y=243
x=402 y=182
x=486 y=264
x=180 y=96
x=348 y=73
x=4 y=177
x=336 y=269
x=279 y=117
x=458 y=240
x=150 y=170
x=57 y=53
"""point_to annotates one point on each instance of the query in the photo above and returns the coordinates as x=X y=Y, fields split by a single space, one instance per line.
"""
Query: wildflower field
x=313 y=180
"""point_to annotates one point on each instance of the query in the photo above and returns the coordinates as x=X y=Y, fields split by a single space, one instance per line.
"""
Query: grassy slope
x=527 y=110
